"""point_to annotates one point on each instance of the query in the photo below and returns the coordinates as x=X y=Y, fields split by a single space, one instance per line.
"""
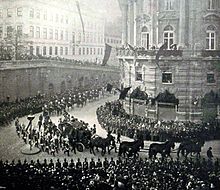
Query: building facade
x=54 y=28
x=188 y=67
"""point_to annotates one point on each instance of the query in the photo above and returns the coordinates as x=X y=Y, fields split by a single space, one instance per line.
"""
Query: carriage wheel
x=80 y=147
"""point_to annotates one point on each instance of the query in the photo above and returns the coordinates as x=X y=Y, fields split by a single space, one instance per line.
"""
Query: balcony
x=122 y=52
x=210 y=53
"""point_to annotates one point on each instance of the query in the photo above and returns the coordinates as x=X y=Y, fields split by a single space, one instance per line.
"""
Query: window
x=9 y=31
x=9 y=12
x=66 y=35
x=1 y=31
x=50 y=51
x=210 y=78
x=79 y=36
x=138 y=76
x=56 y=34
x=61 y=50
x=31 y=50
x=79 y=51
x=66 y=50
x=168 y=36
x=37 y=50
x=73 y=51
x=168 y=4
x=145 y=39
x=19 y=29
x=31 y=31
x=56 y=50
x=37 y=32
x=90 y=51
x=51 y=33
x=210 y=38
x=45 y=33
x=73 y=37
x=101 y=51
x=213 y=4
x=45 y=15
x=1 y=13
x=44 y=50
x=19 y=11
x=83 y=51
x=38 y=14
x=167 y=78
x=31 y=14
x=94 y=52
x=61 y=35
x=87 y=51
x=98 y=51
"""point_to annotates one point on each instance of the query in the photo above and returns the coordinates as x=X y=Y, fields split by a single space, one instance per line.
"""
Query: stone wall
x=23 y=79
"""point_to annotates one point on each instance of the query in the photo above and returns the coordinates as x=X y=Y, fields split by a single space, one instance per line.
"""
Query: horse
x=164 y=149
x=130 y=148
x=99 y=142
x=187 y=147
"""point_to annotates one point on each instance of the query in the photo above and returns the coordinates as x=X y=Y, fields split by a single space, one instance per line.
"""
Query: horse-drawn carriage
x=79 y=136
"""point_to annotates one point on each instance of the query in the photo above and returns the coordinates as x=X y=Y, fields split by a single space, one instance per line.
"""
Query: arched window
x=168 y=36
x=210 y=38
x=145 y=38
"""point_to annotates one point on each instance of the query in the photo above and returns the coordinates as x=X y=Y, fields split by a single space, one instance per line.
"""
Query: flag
x=123 y=93
x=109 y=87
x=163 y=47
x=131 y=47
x=80 y=15
x=108 y=50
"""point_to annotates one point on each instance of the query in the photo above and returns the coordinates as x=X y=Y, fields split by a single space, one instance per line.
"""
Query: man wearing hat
x=209 y=153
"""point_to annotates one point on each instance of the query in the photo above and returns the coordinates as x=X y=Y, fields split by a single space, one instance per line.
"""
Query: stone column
x=182 y=23
x=124 y=24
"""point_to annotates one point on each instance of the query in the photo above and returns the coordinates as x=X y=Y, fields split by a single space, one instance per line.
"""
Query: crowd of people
x=126 y=174
x=113 y=117
x=52 y=138
x=52 y=103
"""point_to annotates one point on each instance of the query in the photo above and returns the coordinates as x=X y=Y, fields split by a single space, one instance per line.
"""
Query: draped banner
x=108 y=50
x=163 y=47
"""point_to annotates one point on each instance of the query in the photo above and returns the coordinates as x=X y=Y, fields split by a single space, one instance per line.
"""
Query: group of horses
x=128 y=149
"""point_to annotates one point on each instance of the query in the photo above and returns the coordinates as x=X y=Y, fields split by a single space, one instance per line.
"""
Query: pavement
x=11 y=145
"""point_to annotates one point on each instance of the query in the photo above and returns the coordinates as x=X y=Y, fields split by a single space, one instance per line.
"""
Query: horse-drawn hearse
x=79 y=135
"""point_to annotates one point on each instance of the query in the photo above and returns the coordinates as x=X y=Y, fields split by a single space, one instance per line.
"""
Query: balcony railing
x=144 y=53
x=210 y=53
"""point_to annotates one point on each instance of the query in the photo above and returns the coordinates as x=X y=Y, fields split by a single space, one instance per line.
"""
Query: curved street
x=11 y=144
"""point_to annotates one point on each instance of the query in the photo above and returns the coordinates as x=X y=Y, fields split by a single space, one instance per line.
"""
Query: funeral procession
x=110 y=94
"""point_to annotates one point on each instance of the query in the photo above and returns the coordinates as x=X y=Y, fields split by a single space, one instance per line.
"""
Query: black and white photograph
x=109 y=94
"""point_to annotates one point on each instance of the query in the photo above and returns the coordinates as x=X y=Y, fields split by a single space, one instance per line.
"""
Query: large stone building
x=54 y=27
x=189 y=70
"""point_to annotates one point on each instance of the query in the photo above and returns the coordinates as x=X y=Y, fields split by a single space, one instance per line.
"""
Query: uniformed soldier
x=78 y=164
x=98 y=163
x=92 y=164
x=85 y=164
